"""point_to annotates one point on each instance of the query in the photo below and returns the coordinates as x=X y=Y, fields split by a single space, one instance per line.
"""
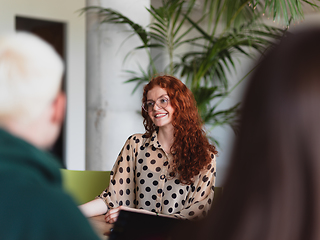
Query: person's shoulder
x=137 y=137
x=64 y=216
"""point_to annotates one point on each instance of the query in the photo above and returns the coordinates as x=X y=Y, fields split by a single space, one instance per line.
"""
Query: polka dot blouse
x=140 y=179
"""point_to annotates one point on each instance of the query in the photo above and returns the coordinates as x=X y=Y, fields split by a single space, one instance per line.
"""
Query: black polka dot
x=155 y=183
x=154 y=197
x=201 y=207
x=176 y=205
x=159 y=155
x=113 y=182
x=198 y=189
x=128 y=158
x=174 y=195
x=148 y=189
x=128 y=191
x=153 y=148
x=138 y=174
x=127 y=202
x=191 y=213
x=158 y=169
x=193 y=188
x=145 y=168
x=128 y=147
x=111 y=204
x=141 y=195
x=121 y=192
x=147 y=203
x=205 y=178
x=153 y=161
x=209 y=166
x=147 y=144
x=209 y=200
x=166 y=202
x=128 y=169
x=111 y=173
x=159 y=191
x=121 y=170
x=142 y=148
x=121 y=181
x=212 y=170
x=169 y=188
x=105 y=195
x=147 y=154
x=140 y=161
x=165 y=163
x=121 y=159
x=128 y=180
x=212 y=156
x=208 y=183
x=183 y=202
x=142 y=181
x=150 y=175
x=120 y=203
x=158 y=205
x=137 y=140
x=202 y=194
x=181 y=191
x=177 y=181
x=170 y=210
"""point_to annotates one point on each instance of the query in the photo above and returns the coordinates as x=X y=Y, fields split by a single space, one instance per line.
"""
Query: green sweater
x=33 y=204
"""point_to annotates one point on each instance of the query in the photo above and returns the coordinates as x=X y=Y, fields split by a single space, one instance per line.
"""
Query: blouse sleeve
x=200 y=198
x=121 y=186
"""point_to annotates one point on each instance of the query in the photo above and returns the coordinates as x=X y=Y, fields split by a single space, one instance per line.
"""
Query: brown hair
x=191 y=147
x=273 y=186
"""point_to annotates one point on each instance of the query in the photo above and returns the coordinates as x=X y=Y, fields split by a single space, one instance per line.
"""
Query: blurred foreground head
x=272 y=190
x=30 y=80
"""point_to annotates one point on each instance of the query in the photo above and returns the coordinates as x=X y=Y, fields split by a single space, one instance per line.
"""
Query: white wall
x=111 y=108
x=63 y=11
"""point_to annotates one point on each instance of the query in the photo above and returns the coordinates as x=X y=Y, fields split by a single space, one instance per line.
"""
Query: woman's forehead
x=156 y=92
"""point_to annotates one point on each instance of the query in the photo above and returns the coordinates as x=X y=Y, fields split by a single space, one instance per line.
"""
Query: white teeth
x=160 y=115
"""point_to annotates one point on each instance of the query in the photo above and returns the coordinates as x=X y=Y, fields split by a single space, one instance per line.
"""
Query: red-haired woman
x=168 y=170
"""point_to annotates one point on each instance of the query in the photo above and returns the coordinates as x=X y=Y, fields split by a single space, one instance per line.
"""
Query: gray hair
x=30 y=76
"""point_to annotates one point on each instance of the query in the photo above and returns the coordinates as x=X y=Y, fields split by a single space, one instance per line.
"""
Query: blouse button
x=162 y=177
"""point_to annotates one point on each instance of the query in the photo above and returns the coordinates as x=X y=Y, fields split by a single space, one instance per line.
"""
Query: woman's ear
x=59 y=106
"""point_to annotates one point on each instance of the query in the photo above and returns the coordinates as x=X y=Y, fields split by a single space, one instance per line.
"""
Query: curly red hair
x=191 y=147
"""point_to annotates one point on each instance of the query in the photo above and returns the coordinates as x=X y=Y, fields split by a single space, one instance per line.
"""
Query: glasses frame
x=155 y=103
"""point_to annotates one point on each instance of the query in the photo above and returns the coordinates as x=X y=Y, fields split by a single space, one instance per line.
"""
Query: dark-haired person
x=277 y=153
x=169 y=170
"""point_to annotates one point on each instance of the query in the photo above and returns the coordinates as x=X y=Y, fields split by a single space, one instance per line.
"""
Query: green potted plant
x=224 y=30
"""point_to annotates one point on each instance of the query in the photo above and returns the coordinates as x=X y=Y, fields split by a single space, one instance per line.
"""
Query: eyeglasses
x=161 y=102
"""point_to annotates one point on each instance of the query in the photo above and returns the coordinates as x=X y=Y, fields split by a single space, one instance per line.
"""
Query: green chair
x=84 y=186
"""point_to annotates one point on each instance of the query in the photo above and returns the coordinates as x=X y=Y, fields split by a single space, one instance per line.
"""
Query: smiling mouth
x=160 y=115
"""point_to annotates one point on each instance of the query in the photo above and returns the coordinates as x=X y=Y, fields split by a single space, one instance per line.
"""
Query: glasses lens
x=147 y=106
x=162 y=102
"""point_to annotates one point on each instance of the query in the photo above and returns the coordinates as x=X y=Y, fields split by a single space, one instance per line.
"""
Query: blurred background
x=102 y=54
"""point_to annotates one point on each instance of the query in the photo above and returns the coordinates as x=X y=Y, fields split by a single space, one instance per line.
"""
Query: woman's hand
x=112 y=215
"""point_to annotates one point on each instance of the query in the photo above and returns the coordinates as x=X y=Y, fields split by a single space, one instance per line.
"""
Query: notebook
x=134 y=225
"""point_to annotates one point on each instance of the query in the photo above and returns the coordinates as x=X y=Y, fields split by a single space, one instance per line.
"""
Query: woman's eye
x=150 y=104
x=163 y=100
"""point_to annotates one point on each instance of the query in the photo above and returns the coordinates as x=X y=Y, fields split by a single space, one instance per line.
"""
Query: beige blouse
x=140 y=179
